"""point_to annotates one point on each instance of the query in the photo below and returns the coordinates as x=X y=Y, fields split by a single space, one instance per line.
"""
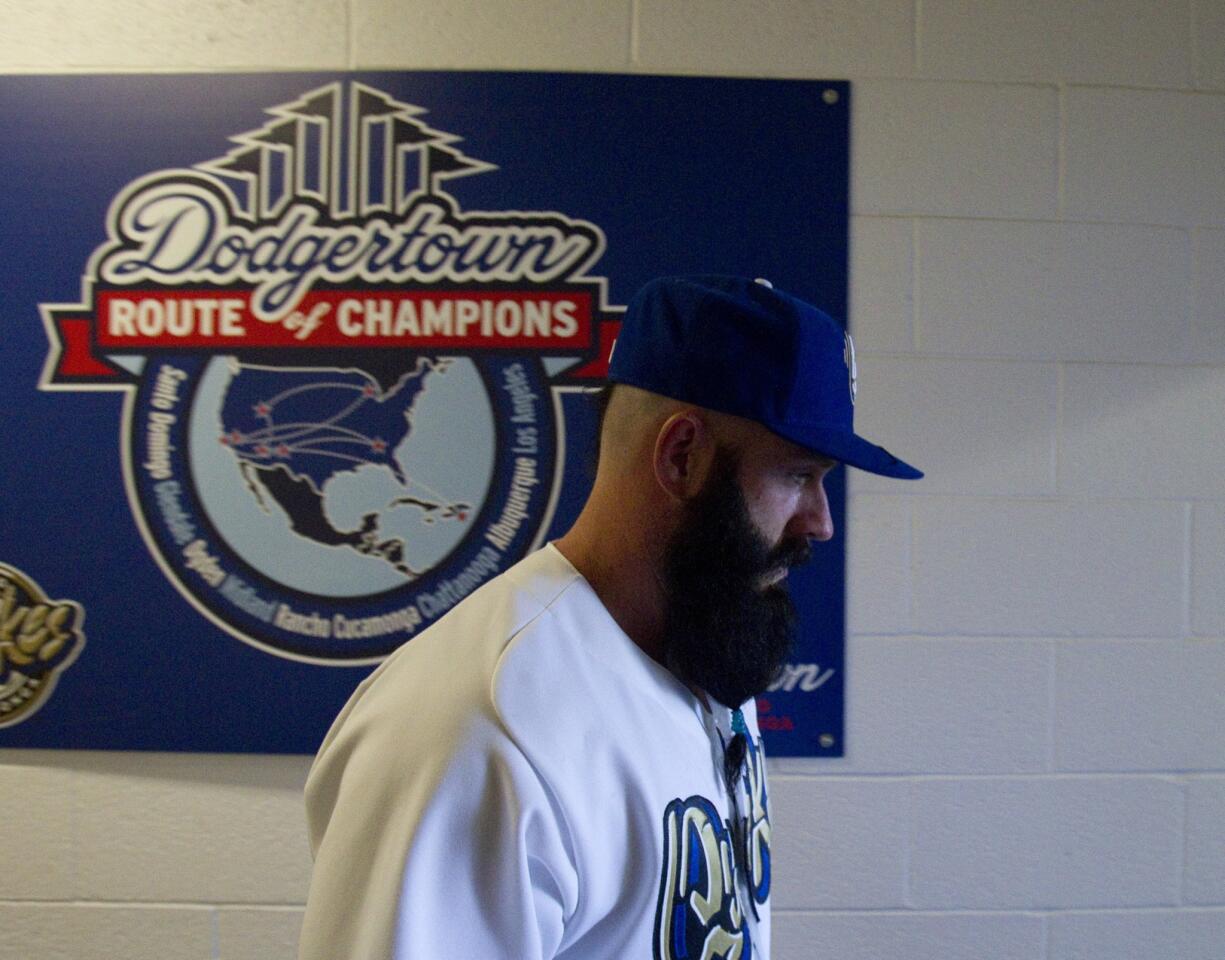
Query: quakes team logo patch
x=341 y=409
x=39 y=639
x=715 y=872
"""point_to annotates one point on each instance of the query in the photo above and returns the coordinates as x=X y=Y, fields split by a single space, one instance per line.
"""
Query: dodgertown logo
x=342 y=389
x=39 y=639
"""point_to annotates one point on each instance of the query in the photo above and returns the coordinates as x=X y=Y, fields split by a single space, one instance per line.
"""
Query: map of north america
x=293 y=430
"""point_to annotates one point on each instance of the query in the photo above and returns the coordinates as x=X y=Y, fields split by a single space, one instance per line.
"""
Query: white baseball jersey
x=521 y=781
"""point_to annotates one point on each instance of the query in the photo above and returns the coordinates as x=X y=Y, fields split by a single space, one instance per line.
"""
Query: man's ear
x=684 y=451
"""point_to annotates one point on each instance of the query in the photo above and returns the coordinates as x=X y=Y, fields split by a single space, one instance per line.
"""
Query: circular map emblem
x=340 y=415
x=329 y=513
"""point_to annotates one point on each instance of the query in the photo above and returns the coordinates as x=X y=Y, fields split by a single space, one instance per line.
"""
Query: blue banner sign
x=295 y=362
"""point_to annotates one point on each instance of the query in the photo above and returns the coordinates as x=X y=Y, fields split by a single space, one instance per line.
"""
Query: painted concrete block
x=36 y=826
x=878 y=564
x=1208 y=338
x=826 y=39
x=973 y=427
x=1143 y=431
x=1046 y=842
x=1126 y=42
x=954 y=149
x=183 y=827
x=1140 y=705
x=838 y=842
x=266 y=934
x=1048 y=569
x=899 y=936
x=468 y=34
x=919 y=705
x=1209 y=43
x=1208 y=569
x=1205 y=869
x=882 y=284
x=1054 y=291
x=176 y=34
x=1126 y=935
x=97 y=932
x=1145 y=156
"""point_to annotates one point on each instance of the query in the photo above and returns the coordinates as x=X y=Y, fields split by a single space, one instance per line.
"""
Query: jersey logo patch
x=698 y=916
x=758 y=825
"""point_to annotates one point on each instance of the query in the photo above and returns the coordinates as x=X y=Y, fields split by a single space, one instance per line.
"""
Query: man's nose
x=818 y=522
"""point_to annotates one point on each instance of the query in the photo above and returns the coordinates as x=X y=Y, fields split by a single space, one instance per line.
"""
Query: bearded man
x=568 y=764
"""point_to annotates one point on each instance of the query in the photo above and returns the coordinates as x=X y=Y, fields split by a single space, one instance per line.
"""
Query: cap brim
x=850 y=448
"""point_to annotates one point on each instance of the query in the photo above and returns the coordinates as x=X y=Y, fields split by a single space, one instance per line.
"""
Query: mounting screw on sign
x=826 y=740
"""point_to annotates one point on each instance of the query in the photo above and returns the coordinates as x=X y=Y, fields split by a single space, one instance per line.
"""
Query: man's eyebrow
x=816 y=460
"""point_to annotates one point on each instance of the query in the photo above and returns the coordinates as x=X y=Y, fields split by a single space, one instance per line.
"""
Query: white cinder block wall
x=1036 y=673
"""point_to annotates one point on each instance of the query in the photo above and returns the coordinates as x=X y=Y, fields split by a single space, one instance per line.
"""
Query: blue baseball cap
x=740 y=346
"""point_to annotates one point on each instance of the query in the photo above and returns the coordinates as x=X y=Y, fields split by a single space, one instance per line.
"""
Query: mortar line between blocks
x=1085 y=220
x=195 y=906
x=1034 y=359
x=1193 y=42
x=782 y=771
x=1061 y=385
x=914 y=285
x=1105 y=85
x=1185 y=783
x=911 y=564
x=1051 y=701
x=75 y=832
x=350 y=40
x=635 y=27
x=1188 y=596
x=1061 y=152
x=1197 y=236
x=916 y=36
x=211 y=905
x=215 y=926
x=1037 y=912
x=907 y=854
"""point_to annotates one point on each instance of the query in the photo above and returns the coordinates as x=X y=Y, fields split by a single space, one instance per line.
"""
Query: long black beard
x=723 y=631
